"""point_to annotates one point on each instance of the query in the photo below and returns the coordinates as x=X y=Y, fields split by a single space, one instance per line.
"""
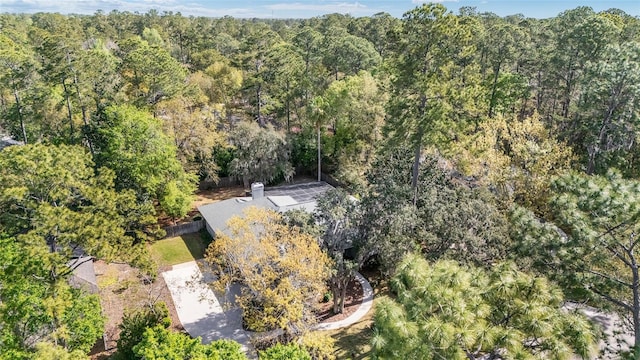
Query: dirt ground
x=204 y=197
x=122 y=289
x=209 y=196
x=352 y=301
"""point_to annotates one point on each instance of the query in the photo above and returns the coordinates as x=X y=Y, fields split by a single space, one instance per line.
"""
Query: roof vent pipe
x=257 y=191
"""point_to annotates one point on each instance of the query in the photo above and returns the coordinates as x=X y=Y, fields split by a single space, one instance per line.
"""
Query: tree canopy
x=447 y=311
x=282 y=270
x=464 y=136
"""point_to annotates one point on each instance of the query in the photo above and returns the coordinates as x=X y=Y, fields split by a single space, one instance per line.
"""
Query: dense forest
x=500 y=153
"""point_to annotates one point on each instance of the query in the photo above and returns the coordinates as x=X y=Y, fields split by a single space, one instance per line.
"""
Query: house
x=6 y=141
x=84 y=274
x=281 y=199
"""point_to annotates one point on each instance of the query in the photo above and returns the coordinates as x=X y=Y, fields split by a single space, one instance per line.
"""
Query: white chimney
x=257 y=190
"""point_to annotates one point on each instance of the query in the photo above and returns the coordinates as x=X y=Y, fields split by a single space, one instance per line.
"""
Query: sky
x=308 y=8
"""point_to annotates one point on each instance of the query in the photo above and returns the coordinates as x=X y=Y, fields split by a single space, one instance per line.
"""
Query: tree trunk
x=418 y=147
x=335 y=290
x=70 y=114
x=416 y=167
x=319 y=155
x=288 y=110
x=339 y=291
x=601 y=135
x=492 y=100
x=82 y=107
x=259 y=99
x=22 y=126
x=636 y=309
x=85 y=120
x=343 y=295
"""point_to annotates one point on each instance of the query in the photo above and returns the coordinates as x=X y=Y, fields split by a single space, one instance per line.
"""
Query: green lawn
x=354 y=342
x=179 y=249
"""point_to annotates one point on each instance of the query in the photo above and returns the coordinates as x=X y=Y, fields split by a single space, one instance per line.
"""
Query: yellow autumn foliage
x=282 y=270
x=518 y=158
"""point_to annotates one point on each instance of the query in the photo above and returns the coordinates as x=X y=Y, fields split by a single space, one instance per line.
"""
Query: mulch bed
x=351 y=303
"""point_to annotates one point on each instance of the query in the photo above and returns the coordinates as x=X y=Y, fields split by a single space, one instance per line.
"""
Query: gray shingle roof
x=283 y=198
x=84 y=274
x=6 y=141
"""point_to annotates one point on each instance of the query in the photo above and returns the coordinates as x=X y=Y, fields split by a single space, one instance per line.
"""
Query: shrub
x=319 y=346
x=285 y=352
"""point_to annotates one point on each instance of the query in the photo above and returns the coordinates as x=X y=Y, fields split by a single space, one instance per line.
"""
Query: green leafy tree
x=256 y=67
x=51 y=197
x=134 y=324
x=152 y=75
x=390 y=221
x=226 y=83
x=447 y=311
x=131 y=143
x=260 y=154
x=354 y=108
x=98 y=77
x=610 y=114
x=423 y=90
x=581 y=36
x=47 y=351
x=58 y=47
x=499 y=48
x=195 y=133
x=284 y=75
x=159 y=343
x=308 y=41
x=377 y=31
x=16 y=75
x=348 y=54
x=36 y=307
x=337 y=213
x=397 y=219
x=517 y=157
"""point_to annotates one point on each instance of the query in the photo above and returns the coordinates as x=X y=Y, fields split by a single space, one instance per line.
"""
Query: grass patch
x=180 y=249
x=354 y=342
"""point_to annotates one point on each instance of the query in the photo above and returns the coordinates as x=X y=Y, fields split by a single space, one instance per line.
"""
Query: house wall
x=210 y=230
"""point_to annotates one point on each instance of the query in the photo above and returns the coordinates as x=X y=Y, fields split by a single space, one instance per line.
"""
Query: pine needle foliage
x=447 y=311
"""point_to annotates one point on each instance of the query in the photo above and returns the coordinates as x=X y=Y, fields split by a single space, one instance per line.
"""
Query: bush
x=285 y=352
x=327 y=297
x=135 y=324
x=158 y=343
x=223 y=155
x=319 y=346
x=304 y=151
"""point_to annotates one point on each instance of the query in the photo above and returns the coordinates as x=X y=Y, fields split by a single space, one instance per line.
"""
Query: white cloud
x=209 y=8
x=433 y=1
x=330 y=7
x=90 y=6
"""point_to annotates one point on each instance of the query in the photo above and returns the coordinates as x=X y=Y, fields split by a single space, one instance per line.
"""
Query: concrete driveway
x=200 y=311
